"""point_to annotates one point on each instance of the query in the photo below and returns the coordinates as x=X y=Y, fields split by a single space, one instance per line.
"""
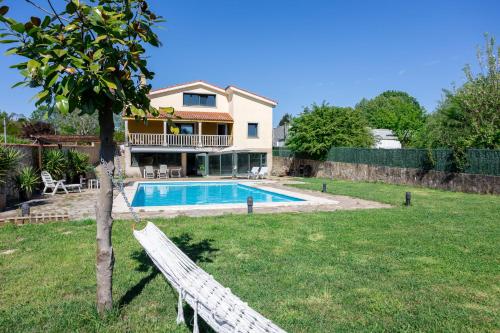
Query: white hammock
x=218 y=306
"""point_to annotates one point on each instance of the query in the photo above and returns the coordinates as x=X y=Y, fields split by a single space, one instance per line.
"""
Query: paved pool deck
x=82 y=205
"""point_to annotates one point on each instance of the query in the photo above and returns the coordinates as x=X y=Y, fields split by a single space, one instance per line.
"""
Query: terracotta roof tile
x=198 y=115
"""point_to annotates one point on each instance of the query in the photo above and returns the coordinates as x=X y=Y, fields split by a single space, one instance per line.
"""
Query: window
x=198 y=99
x=186 y=129
x=155 y=159
x=253 y=130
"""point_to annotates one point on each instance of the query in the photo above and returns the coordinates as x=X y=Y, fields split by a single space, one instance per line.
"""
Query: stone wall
x=363 y=172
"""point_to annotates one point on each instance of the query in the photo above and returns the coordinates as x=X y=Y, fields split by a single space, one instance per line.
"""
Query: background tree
x=469 y=116
x=74 y=123
x=286 y=119
x=320 y=127
x=89 y=58
x=394 y=110
x=14 y=123
x=34 y=128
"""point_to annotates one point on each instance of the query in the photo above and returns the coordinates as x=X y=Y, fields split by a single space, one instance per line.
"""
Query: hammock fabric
x=218 y=306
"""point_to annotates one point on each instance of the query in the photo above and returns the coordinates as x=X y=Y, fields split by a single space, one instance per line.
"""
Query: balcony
x=179 y=140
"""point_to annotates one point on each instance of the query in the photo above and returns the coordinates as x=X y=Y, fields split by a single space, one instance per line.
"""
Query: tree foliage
x=468 y=116
x=394 y=110
x=86 y=58
x=320 y=127
x=34 y=128
x=286 y=119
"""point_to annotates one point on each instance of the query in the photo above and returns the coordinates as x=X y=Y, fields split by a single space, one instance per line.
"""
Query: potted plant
x=27 y=181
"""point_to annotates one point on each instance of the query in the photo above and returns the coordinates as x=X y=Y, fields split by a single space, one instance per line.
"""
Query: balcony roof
x=195 y=115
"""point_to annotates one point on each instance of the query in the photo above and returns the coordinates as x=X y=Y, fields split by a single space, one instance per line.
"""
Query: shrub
x=55 y=163
x=9 y=157
x=27 y=180
x=77 y=163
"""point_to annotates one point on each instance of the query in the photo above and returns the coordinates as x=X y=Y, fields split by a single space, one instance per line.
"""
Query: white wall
x=244 y=111
x=175 y=99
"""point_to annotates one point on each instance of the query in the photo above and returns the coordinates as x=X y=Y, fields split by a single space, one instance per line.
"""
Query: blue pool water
x=201 y=193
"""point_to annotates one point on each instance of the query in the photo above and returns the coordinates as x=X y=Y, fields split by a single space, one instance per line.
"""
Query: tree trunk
x=104 y=255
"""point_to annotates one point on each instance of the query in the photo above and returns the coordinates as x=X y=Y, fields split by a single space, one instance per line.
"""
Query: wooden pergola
x=59 y=140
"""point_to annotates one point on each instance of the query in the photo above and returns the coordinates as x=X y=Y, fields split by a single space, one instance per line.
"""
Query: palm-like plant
x=54 y=161
x=9 y=157
x=27 y=180
x=78 y=163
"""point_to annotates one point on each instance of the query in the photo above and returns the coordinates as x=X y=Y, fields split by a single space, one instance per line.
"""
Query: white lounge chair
x=149 y=172
x=162 y=173
x=49 y=183
x=253 y=173
x=262 y=173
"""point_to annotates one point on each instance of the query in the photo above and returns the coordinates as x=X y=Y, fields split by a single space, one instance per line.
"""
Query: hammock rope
x=216 y=304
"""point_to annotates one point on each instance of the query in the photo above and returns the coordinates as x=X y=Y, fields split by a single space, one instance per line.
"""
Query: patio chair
x=262 y=173
x=49 y=183
x=162 y=173
x=176 y=172
x=149 y=172
x=253 y=173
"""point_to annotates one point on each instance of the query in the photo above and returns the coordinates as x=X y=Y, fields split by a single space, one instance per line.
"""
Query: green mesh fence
x=479 y=161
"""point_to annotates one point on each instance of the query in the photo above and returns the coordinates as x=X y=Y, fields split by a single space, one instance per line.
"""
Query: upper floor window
x=199 y=99
x=253 y=130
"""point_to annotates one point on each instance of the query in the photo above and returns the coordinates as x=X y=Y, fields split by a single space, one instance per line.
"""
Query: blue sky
x=300 y=52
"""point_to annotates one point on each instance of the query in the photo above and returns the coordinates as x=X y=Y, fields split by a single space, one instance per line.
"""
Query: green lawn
x=430 y=267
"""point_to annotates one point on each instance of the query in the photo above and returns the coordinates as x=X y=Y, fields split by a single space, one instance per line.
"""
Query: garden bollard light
x=324 y=188
x=25 y=209
x=408 y=199
x=250 y=205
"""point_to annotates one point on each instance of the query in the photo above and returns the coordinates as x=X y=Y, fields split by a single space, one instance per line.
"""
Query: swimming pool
x=202 y=193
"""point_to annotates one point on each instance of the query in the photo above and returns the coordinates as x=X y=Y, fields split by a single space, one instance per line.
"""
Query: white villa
x=216 y=131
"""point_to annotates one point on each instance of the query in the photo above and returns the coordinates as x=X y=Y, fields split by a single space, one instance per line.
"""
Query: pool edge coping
x=119 y=205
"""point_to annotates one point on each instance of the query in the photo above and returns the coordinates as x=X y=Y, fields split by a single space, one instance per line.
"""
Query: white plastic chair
x=149 y=172
x=162 y=173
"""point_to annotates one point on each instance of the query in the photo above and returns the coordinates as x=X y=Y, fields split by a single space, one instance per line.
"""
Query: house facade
x=212 y=131
x=385 y=139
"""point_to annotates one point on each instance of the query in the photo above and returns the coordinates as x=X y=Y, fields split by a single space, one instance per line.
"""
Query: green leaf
x=137 y=112
x=60 y=52
x=42 y=94
x=62 y=104
x=18 y=84
x=53 y=80
x=18 y=27
x=46 y=22
x=8 y=41
x=100 y=37
x=110 y=84
x=32 y=64
x=71 y=8
x=94 y=67
x=97 y=54
x=11 y=51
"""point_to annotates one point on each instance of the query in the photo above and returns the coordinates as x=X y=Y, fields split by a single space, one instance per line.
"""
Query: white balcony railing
x=180 y=140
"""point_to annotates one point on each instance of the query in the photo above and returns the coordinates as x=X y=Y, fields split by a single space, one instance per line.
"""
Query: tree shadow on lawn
x=199 y=252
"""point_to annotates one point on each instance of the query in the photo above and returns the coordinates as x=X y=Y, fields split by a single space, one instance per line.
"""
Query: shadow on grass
x=201 y=251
